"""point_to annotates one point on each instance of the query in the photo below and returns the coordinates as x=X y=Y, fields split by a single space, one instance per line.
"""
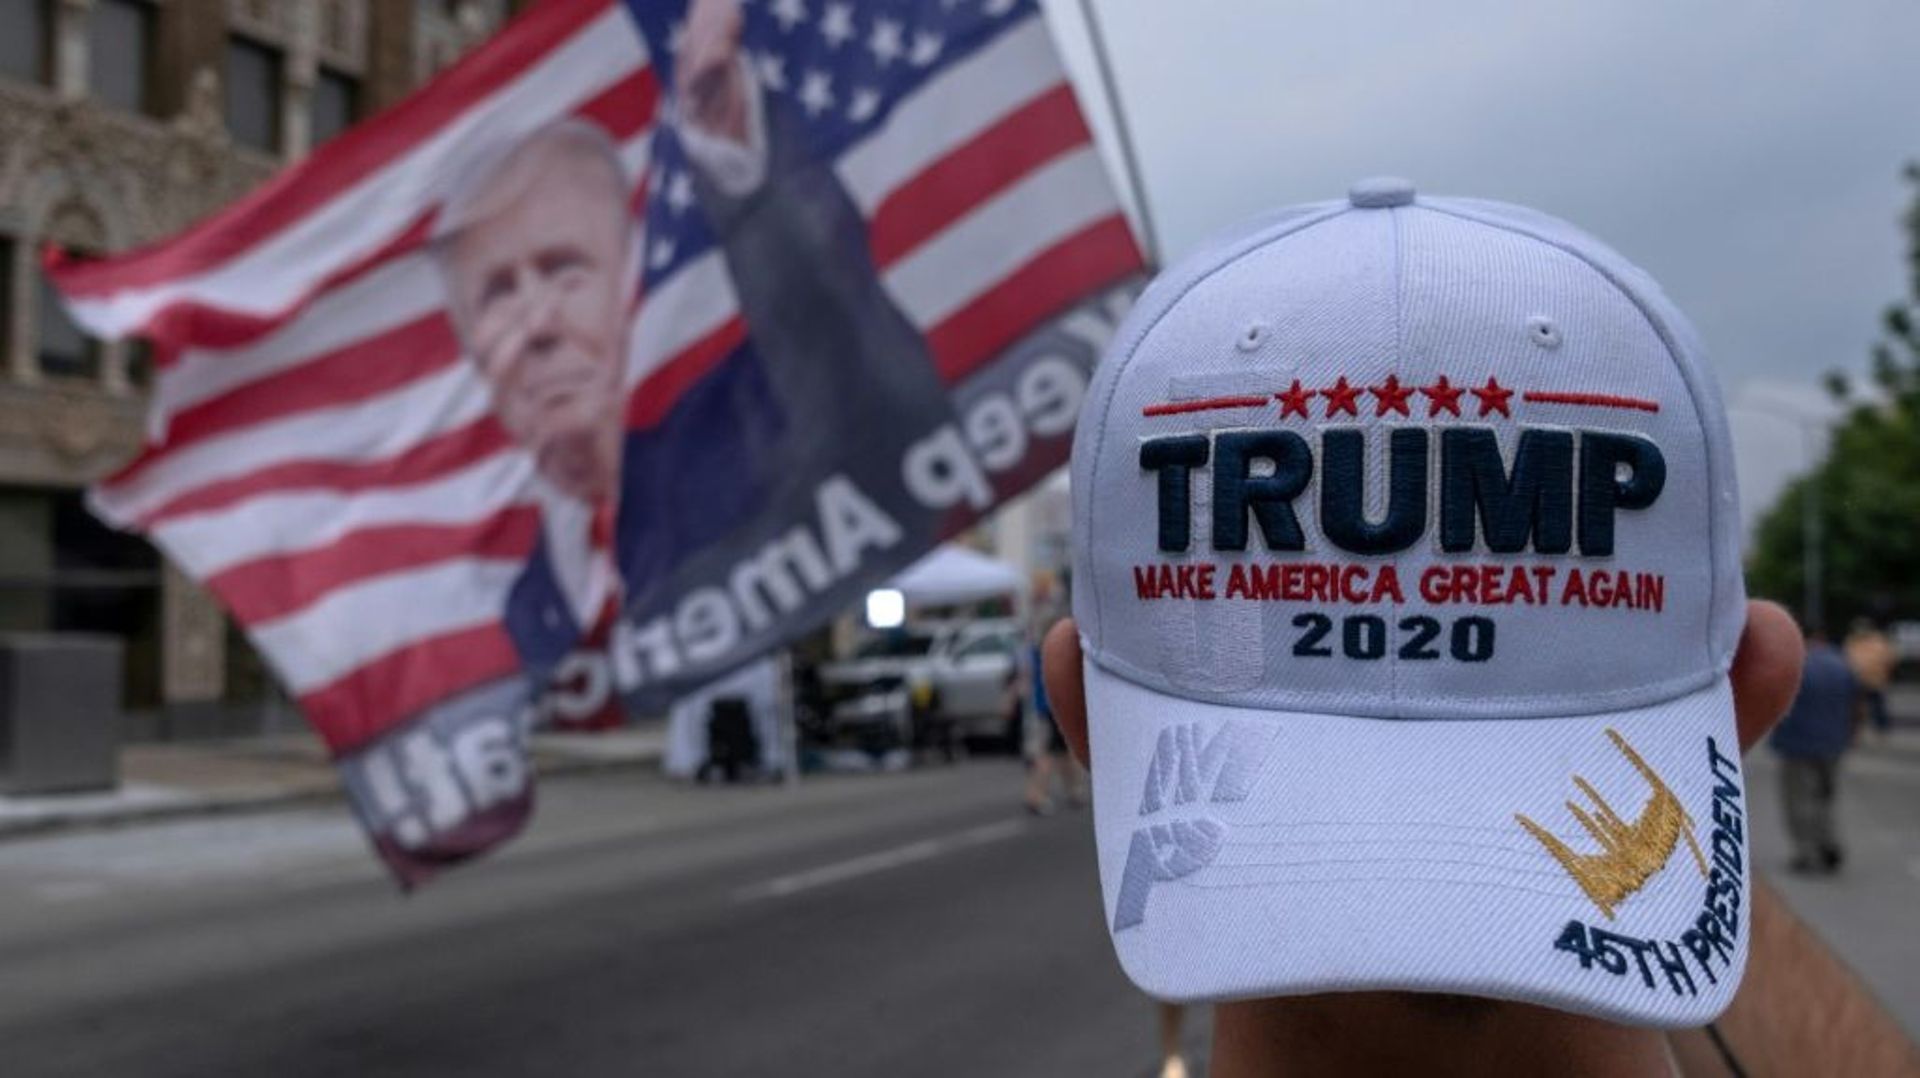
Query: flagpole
x=1148 y=235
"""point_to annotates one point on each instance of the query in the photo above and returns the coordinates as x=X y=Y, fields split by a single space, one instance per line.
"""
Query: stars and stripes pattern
x=321 y=455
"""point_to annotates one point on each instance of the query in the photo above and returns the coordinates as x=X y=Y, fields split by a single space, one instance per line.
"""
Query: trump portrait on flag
x=542 y=265
x=537 y=254
x=538 y=249
x=644 y=338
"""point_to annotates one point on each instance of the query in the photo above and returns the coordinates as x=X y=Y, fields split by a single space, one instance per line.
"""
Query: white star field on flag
x=838 y=64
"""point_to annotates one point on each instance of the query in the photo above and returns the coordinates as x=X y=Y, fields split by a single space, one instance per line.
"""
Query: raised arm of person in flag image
x=539 y=252
x=1799 y=1011
x=843 y=381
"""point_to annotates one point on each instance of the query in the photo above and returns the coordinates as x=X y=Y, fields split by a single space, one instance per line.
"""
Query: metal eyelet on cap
x=1253 y=336
x=1542 y=331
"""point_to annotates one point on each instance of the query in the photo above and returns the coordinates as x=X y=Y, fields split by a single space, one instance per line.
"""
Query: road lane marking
x=879 y=861
x=63 y=891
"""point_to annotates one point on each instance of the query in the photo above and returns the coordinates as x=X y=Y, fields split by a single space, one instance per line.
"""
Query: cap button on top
x=1380 y=193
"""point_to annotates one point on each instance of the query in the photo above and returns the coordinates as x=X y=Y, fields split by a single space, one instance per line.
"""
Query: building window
x=139 y=363
x=26 y=560
x=106 y=582
x=336 y=104
x=64 y=350
x=120 y=48
x=6 y=303
x=23 y=39
x=63 y=571
x=253 y=94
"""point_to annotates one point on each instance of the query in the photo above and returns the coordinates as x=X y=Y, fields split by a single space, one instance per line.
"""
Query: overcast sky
x=1747 y=155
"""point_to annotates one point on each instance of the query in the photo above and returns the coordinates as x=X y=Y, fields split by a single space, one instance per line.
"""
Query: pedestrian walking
x=1810 y=741
x=1870 y=655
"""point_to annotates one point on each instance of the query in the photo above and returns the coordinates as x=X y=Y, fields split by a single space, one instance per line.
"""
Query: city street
x=905 y=924
x=902 y=924
x=1870 y=913
x=401 y=403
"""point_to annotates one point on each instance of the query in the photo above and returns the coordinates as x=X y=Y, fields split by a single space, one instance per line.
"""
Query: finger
x=688 y=66
x=501 y=342
x=496 y=324
x=716 y=94
x=1766 y=670
x=1066 y=689
x=700 y=47
x=712 y=34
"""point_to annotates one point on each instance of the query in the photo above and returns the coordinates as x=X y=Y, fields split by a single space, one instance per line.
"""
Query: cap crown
x=1440 y=459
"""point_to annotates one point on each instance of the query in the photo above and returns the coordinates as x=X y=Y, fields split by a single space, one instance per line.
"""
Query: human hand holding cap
x=1407 y=582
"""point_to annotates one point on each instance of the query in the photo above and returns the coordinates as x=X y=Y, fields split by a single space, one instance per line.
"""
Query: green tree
x=1869 y=484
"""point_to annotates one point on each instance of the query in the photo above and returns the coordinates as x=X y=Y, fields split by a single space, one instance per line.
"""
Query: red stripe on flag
x=379 y=695
x=435 y=457
x=207 y=326
x=623 y=111
x=655 y=397
x=280 y=585
x=974 y=172
x=625 y=108
x=1096 y=256
x=358 y=153
x=361 y=370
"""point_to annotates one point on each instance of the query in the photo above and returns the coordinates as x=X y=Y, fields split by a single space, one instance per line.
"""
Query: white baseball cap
x=1407 y=571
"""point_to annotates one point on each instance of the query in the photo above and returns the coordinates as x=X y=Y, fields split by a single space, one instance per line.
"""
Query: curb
x=1896 y=753
x=273 y=801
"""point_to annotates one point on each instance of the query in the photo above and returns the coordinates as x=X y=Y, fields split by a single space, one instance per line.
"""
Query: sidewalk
x=1866 y=912
x=1901 y=744
x=203 y=778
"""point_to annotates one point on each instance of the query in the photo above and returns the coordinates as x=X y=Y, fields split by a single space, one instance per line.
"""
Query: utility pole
x=1811 y=537
x=1148 y=234
x=1813 y=613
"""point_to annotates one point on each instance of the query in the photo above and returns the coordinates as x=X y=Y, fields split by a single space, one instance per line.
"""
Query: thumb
x=1766 y=670
x=1066 y=688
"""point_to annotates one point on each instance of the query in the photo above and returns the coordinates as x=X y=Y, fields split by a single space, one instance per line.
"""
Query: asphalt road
x=913 y=924
x=878 y=925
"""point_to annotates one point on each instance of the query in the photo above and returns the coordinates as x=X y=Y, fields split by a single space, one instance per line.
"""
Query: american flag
x=320 y=455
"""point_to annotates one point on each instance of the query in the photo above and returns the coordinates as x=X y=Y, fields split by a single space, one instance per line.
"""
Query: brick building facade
x=122 y=121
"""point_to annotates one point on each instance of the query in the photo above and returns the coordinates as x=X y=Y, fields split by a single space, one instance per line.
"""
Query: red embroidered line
x=1203 y=405
x=1597 y=400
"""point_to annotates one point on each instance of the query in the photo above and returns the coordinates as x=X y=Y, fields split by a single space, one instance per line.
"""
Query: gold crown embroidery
x=1630 y=853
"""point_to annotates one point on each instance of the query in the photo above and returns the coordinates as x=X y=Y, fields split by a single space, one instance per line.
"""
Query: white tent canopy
x=955 y=574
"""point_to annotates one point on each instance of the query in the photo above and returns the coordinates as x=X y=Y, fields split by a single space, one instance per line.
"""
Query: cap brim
x=1594 y=863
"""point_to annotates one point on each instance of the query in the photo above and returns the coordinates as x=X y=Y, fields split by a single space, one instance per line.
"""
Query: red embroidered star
x=1442 y=394
x=1342 y=397
x=1392 y=396
x=1295 y=399
x=1493 y=398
